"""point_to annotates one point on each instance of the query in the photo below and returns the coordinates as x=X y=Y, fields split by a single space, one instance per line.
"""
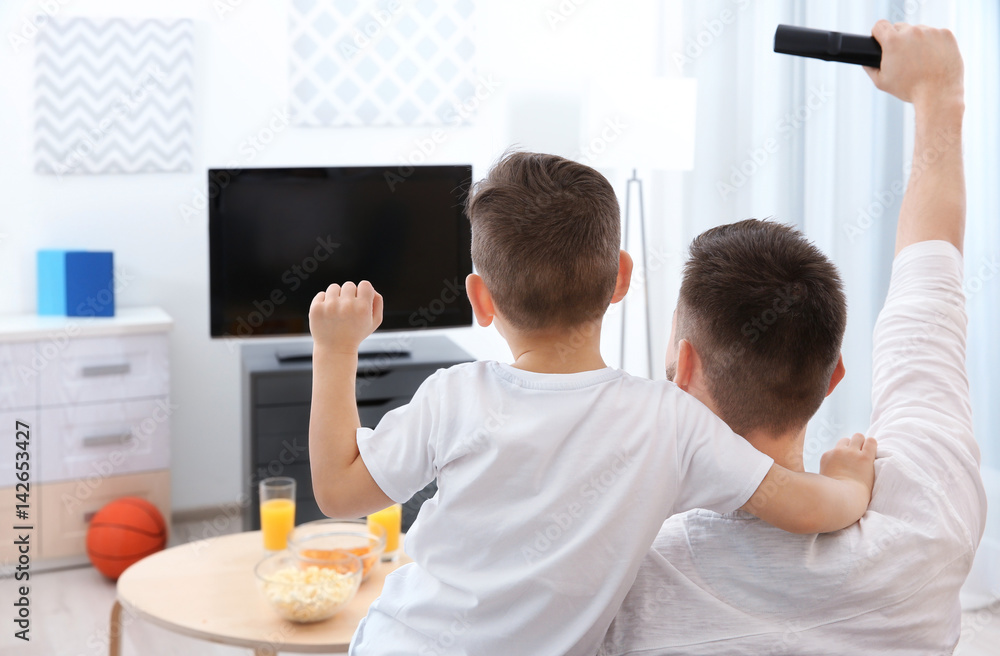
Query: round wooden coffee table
x=207 y=590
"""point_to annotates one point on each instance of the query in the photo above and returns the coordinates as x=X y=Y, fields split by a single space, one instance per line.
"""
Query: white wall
x=241 y=72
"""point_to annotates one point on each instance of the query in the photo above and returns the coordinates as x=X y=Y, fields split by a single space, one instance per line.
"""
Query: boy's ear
x=624 y=276
x=480 y=299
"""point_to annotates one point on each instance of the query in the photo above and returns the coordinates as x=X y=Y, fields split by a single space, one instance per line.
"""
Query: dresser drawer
x=373 y=380
x=67 y=507
x=282 y=434
x=283 y=388
x=104 y=439
x=8 y=421
x=107 y=368
x=18 y=379
x=280 y=421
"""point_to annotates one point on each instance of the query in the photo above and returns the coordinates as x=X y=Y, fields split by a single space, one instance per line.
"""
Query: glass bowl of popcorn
x=308 y=590
x=326 y=538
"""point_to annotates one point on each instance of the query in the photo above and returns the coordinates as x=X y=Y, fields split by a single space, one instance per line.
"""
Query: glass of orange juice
x=277 y=511
x=390 y=519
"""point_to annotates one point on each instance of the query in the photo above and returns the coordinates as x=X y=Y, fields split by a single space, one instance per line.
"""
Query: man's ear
x=686 y=362
x=838 y=375
x=624 y=276
x=480 y=299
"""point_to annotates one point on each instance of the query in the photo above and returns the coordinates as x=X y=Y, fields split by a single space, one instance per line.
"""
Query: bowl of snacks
x=303 y=590
x=329 y=538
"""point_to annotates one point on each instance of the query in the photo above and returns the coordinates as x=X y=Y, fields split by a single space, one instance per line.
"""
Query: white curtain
x=976 y=25
x=813 y=144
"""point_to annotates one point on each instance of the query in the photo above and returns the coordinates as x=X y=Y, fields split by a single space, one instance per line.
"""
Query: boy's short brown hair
x=765 y=310
x=546 y=232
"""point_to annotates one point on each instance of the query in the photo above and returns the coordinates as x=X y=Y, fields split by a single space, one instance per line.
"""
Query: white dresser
x=96 y=394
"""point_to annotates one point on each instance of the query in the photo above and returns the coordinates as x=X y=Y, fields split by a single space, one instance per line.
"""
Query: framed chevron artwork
x=114 y=96
x=381 y=62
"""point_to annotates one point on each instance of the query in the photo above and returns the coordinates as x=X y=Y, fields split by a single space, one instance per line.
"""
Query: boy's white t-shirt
x=551 y=488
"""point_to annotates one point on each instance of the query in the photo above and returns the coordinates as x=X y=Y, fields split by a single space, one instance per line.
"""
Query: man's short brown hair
x=545 y=239
x=765 y=310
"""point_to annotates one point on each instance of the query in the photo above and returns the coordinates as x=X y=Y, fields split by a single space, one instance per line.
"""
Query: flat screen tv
x=279 y=236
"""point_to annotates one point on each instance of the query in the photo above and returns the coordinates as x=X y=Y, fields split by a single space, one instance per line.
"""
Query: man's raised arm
x=920 y=389
x=922 y=65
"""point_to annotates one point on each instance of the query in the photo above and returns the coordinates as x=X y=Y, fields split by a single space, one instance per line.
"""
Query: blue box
x=52 y=282
x=76 y=283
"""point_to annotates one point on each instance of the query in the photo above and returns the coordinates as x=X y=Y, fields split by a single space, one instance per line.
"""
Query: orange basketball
x=123 y=532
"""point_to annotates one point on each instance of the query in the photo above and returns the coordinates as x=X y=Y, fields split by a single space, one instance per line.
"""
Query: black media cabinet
x=277 y=395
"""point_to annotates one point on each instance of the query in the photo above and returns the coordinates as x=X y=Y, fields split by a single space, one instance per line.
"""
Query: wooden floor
x=70 y=611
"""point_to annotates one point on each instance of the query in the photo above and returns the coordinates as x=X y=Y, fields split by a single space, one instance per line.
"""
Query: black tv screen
x=279 y=236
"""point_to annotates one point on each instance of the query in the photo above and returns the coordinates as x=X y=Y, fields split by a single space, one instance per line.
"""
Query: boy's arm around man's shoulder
x=800 y=502
x=720 y=471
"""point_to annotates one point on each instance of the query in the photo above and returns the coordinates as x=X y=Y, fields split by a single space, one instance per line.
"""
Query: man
x=756 y=337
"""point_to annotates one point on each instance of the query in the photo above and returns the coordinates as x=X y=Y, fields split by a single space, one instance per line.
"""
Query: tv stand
x=277 y=392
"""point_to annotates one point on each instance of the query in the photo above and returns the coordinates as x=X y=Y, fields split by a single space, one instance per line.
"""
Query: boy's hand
x=809 y=503
x=852 y=460
x=341 y=317
x=920 y=64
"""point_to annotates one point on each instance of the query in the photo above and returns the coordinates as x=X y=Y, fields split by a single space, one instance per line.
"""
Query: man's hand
x=920 y=64
x=343 y=316
x=852 y=460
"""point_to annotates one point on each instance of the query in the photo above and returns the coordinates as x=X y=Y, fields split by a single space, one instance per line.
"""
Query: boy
x=554 y=473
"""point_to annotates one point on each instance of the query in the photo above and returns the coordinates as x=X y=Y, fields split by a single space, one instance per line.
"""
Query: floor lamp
x=626 y=221
x=634 y=123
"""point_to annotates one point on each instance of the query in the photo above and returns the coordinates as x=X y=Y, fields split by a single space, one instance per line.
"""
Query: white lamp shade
x=634 y=122
x=544 y=117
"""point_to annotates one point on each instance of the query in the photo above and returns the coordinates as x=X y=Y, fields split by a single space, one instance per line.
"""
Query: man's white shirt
x=722 y=584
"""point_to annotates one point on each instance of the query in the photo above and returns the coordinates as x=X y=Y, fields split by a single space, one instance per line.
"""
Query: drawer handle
x=368 y=403
x=106 y=370
x=373 y=372
x=105 y=440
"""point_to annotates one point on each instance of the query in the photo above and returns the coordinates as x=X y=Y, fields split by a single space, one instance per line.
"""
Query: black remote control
x=831 y=46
